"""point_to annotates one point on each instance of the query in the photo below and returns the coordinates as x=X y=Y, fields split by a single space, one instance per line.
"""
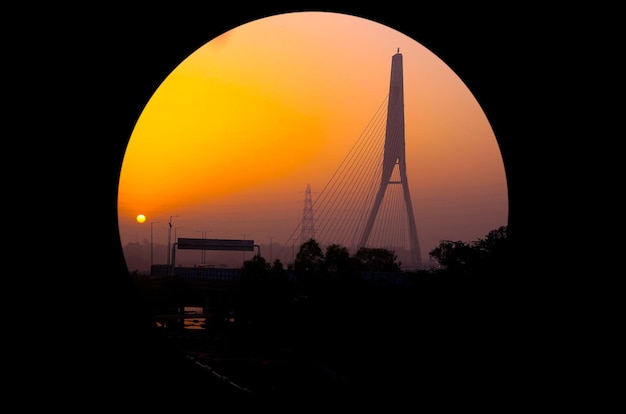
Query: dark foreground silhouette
x=448 y=338
x=450 y=342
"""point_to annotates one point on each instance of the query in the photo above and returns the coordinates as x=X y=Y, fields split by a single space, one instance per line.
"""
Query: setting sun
x=141 y=218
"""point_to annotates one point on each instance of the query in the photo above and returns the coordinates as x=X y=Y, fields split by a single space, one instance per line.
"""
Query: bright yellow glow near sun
x=141 y=218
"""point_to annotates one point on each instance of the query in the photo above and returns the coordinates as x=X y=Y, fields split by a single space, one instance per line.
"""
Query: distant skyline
x=232 y=137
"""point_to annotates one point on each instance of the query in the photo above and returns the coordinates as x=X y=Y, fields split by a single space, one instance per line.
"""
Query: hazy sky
x=231 y=138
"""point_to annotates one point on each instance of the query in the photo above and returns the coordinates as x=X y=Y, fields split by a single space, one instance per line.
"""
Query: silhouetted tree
x=376 y=260
x=278 y=275
x=477 y=256
x=310 y=258
x=277 y=267
x=453 y=255
x=256 y=268
x=260 y=299
x=495 y=244
x=337 y=258
x=309 y=265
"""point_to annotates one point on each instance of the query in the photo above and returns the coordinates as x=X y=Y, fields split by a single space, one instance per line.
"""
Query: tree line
x=453 y=257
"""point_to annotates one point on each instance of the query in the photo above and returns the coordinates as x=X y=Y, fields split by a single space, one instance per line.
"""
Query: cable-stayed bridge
x=367 y=202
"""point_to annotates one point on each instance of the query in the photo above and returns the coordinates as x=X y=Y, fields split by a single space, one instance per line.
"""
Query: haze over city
x=230 y=140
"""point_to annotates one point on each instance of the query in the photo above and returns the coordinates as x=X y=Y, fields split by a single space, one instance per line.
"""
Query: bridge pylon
x=394 y=156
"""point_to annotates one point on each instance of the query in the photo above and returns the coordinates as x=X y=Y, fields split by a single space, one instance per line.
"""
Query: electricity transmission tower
x=307 y=231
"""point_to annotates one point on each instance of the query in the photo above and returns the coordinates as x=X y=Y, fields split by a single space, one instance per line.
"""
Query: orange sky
x=231 y=138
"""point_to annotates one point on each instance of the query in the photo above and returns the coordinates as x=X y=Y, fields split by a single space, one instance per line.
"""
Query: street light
x=165 y=228
x=270 y=237
x=169 y=241
x=152 y=244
